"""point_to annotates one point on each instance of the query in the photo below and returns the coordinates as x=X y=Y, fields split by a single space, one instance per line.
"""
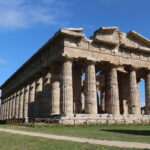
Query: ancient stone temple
x=74 y=77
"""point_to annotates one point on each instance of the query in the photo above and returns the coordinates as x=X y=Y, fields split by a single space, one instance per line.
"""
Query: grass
x=134 y=133
x=20 y=142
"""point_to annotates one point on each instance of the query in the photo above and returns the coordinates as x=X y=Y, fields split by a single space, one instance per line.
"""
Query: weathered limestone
x=147 y=93
x=38 y=95
x=134 y=94
x=10 y=108
x=21 y=98
x=13 y=107
x=112 y=93
x=74 y=77
x=17 y=105
x=55 y=98
x=102 y=105
x=90 y=92
x=31 y=98
x=66 y=89
x=45 y=103
x=26 y=101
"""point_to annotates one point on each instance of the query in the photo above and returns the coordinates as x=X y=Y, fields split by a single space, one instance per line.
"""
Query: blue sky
x=25 y=25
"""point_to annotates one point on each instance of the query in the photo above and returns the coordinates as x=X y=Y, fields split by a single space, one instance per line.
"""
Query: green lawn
x=134 y=133
x=20 y=142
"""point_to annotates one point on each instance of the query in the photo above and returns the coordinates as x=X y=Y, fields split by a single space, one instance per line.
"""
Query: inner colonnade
x=72 y=76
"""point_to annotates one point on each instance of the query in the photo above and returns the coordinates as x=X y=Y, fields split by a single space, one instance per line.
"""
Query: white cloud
x=23 y=13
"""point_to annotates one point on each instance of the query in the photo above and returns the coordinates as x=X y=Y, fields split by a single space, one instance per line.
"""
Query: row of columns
x=16 y=106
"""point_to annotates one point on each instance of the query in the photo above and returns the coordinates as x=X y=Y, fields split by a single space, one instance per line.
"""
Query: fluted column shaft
x=26 y=101
x=38 y=95
x=66 y=88
x=90 y=91
x=147 y=93
x=31 y=99
x=14 y=106
x=134 y=107
x=17 y=105
x=55 y=97
x=10 y=107
x=112 y=92
x=21 y=104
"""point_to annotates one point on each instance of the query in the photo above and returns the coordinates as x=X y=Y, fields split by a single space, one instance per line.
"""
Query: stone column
x=77 y=89
x=26 y=101
x=5 y=111
x=102 y=98
x=134 y=94
x=10 y=107
x=31 y=99
x=38 y=96
x=14 y=106
x=7 y=108
x=112 y=93
x=90 y=89
x=21 y=104
x=45 y=104
x=55 y=97
x=0 y=112
x=147 y=93
x=66 y=88
x=17 y=105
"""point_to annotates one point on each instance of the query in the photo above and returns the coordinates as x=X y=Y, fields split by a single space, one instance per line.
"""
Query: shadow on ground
x=134 y=132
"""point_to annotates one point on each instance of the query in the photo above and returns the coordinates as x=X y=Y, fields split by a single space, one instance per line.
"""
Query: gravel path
x=81 y=140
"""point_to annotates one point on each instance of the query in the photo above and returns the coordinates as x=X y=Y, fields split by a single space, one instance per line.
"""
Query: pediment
x=130 y=40
x=133 y=40
x=107 y=35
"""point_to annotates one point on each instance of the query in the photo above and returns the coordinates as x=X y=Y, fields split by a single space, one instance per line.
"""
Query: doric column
x=147 y=93
x=14 y=106
x=90 y=89
x=3 y=110
x=77 y=89
x=102 y=99
x=26 y=101
x=10 y=107
x=2 y=106
x=7 y=108
x=0 y=112
x=55 y=97
x=66 y=88
x=134 y=107
x=112 y=93
x=38 y=96
x=21 y=103
x=17 y=105
x=31 y=99
x=45 y=104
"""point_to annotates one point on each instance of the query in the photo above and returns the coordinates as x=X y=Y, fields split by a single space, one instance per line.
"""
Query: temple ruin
x=74 y=77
